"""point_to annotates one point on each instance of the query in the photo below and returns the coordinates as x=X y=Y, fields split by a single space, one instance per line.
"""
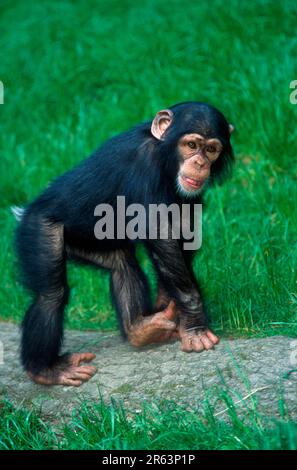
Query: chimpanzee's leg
x=162 y=299
x=131 y=296
x=40 y=245
x=132 y=300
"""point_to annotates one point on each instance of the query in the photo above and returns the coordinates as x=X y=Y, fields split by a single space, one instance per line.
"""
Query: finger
x=187 y=344
x=213 y=338
x=197 y=345
x=206 y=342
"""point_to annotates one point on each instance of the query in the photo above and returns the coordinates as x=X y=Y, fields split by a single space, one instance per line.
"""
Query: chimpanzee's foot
x=67 y=371
x=197 y=340
x=154 y=328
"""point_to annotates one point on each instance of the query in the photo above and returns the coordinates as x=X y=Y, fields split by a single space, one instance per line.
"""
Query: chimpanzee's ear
x=161 y=122
x=231 y=128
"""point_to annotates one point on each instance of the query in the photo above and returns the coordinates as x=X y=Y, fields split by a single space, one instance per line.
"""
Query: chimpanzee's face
x=199 y=135
x=196 y=155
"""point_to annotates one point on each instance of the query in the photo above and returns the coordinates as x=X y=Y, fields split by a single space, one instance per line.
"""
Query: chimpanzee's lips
x=195 y=184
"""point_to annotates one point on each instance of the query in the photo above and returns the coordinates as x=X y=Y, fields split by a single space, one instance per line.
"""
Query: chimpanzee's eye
x=192 y=144
x=210 y=149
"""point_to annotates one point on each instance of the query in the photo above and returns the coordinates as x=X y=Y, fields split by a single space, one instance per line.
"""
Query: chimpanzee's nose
x=200 y=162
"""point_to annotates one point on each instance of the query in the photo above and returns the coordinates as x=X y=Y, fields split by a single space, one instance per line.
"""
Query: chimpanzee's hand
x=197 y=340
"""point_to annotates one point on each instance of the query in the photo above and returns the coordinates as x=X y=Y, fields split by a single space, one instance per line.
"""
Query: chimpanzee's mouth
x=190 y=183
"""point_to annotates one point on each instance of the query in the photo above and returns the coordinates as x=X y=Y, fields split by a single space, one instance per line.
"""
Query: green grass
x=167 y=426
x=76 y=73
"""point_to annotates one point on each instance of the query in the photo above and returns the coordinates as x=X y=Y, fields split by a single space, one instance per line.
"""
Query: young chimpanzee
x=168 y=160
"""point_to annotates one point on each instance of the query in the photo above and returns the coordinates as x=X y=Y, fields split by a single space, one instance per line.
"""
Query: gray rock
x=252 y=370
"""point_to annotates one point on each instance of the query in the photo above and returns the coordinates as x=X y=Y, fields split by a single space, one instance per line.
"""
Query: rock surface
x=250 y=369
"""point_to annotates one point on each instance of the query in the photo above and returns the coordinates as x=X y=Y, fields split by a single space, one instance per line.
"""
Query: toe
x=71 y=382
x=77 y=358
x=89 y=370
x=78 y=375
x=170 y=311
x=168 y=325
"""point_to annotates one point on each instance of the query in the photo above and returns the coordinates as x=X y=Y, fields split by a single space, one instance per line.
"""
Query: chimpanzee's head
x=197 y=135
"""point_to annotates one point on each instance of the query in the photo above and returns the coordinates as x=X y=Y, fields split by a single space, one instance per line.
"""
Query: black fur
x=59 y=225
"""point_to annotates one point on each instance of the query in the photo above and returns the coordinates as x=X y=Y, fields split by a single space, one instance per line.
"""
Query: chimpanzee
x=170 y=159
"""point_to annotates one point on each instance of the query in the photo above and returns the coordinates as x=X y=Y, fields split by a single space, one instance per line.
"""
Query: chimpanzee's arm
x=173 y=268
x=177 y=279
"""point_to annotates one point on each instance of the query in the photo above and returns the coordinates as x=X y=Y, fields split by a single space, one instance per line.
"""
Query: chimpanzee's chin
x=186 y=191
